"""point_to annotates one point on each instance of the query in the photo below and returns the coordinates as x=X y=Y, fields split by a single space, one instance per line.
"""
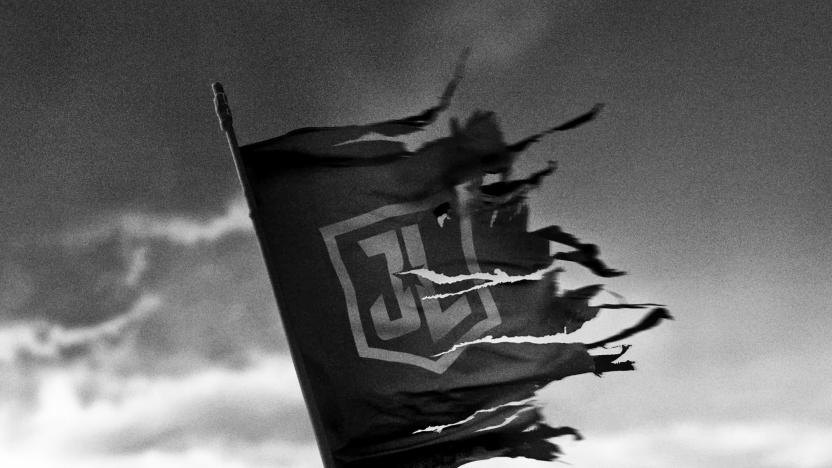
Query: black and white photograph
x=415 y=234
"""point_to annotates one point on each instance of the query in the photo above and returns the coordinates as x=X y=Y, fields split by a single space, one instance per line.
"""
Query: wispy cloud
x=180 y=230
x=45 y=341
x=189 y=231
x=137 y=267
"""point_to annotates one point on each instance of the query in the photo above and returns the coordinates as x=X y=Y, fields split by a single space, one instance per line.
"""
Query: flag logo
x=394 y=317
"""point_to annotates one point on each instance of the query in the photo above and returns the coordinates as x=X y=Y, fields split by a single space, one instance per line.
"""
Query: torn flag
x=393 y=284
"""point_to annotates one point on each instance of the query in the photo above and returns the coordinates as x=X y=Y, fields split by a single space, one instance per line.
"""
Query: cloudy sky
x=137 y=325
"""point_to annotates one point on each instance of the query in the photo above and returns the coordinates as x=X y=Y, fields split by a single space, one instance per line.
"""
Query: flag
x=422 y=314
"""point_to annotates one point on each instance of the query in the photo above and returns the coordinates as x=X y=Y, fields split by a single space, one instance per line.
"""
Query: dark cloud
x=112 y=106
x=69 y=285
x=218 y=302
x=211 y=299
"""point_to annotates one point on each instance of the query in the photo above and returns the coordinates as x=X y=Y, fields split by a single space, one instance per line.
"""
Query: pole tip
x=217 y=87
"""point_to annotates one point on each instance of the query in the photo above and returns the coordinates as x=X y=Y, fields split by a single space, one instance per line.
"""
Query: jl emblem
x=392 y=317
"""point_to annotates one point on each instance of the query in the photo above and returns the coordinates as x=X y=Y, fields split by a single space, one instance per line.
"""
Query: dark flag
x=422 y=315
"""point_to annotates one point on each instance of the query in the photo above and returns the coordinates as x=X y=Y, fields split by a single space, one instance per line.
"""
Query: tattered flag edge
x=341 y=146
x=574 y=301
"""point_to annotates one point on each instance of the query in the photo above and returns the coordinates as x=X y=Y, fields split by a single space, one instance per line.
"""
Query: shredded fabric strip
x=438 y=314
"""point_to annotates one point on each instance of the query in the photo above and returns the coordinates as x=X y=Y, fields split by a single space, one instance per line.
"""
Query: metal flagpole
x=224 y=116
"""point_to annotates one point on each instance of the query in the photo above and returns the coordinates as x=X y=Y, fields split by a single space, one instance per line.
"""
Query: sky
x=137 y=324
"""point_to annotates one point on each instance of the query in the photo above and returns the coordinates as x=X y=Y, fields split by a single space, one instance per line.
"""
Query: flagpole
x=224 y=116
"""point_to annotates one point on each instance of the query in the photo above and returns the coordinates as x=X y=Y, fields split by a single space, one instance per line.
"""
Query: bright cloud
x=248 y=417
x=270 y=454
x=701 y=444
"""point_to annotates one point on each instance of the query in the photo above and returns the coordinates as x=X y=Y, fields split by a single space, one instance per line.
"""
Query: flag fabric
x=421 y=311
